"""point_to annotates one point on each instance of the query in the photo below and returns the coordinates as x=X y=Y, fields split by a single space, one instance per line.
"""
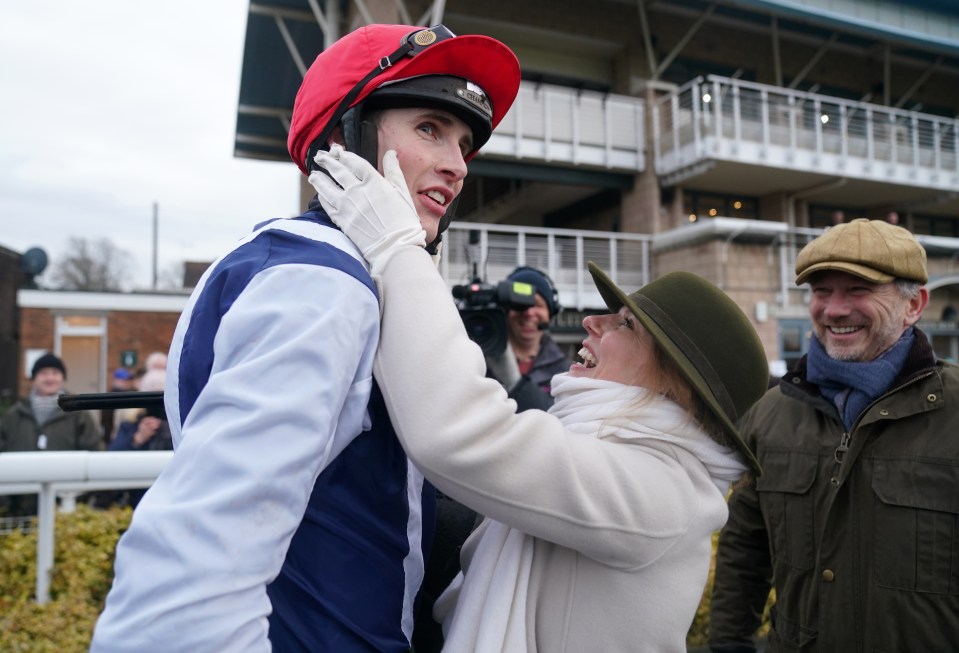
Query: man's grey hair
x=908 y=288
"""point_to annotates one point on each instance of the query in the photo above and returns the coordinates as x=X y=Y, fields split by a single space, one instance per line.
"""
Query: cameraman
x=527 y=366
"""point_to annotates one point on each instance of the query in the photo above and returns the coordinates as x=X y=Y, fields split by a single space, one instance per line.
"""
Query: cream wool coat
x=622 y=527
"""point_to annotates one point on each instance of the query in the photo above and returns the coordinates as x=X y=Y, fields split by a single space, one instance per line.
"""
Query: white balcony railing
x=549 y=123
x=719 y=118
x=561 y=253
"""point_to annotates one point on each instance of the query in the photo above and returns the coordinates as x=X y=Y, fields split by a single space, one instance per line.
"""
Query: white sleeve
x=288 y=390
x=619 y=503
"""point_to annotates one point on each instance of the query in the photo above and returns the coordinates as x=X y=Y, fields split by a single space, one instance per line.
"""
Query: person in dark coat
x=528 y=365
x=36 y=423
x=854 y=520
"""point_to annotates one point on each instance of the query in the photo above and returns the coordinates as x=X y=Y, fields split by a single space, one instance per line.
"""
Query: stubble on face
x=856 y=321
x=881 y=337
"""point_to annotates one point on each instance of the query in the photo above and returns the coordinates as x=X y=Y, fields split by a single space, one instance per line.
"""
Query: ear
x=336 y=136
x=916 y=306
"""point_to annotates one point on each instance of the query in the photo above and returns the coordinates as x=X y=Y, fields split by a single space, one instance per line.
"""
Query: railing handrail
x=18 y=467
x=828 y=99
x=748 y=122
x=49 y=474
x=546 y=231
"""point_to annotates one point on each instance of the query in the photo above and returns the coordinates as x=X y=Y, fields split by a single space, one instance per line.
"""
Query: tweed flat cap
x=873 y=250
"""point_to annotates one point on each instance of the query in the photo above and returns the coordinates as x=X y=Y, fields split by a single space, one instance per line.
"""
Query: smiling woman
x=610 y=499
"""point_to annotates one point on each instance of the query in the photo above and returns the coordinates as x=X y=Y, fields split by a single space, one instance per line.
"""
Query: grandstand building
x=657 y=135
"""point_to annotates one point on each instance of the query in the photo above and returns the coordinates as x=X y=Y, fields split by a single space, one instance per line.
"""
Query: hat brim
x=615 y=299
x=855 y=269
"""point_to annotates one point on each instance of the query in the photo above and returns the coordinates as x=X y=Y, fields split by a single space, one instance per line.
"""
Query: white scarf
x=486 y=612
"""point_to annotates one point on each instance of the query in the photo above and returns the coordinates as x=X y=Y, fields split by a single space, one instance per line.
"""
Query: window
x=794 y=340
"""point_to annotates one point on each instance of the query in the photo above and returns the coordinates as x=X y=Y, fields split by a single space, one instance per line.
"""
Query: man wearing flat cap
x=36 y=423
x=855 y=520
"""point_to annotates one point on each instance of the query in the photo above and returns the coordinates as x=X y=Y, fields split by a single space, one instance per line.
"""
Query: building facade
x=648 y=136
x=725 y=133
x=93 y=332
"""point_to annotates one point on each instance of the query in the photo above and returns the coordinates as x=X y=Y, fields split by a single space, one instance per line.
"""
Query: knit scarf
x=851 y=385
x=44 y=407
x=485 y=611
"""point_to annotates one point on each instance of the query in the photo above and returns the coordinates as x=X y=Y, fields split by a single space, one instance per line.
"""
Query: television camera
x=483 y=307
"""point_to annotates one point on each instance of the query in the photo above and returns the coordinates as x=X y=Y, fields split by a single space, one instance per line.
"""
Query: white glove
x=375 y=211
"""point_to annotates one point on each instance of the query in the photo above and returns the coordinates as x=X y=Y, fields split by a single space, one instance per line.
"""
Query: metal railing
x=64 y=475
x=723 y=118
x=560 y=124
x=492 y=251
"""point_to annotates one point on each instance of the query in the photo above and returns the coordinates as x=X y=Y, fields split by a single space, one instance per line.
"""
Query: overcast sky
x=108 y=106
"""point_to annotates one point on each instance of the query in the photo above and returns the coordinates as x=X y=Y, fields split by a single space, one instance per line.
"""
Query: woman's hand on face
x=375 y=211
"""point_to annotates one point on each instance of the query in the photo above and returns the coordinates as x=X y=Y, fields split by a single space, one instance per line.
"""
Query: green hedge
x=82 y=574
x=81 y=577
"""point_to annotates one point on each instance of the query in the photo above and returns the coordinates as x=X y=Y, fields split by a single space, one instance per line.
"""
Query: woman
x=600 y=512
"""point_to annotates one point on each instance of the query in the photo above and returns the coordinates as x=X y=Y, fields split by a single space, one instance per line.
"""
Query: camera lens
x=480 y=328
x=487 y=328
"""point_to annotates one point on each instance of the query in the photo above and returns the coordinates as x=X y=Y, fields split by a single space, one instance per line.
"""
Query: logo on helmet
x=424 y=37
x=475 y=96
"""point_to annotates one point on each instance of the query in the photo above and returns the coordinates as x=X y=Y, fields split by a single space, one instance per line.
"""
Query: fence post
x=46 y=515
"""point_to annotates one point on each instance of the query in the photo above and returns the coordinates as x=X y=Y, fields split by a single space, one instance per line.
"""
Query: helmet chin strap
x=444 y=225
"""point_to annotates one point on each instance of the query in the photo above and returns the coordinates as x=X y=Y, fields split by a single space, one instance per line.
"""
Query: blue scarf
x=852 y=386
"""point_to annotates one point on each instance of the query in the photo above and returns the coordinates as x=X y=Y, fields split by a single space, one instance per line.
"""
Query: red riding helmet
x=474 y=77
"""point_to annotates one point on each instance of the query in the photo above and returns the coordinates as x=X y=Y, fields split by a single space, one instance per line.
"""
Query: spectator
x=289 y=518
x=532 y=358
x=854 y=521
x=36 y=423
x=600 y=514
x=156 y=361
x=149 y=432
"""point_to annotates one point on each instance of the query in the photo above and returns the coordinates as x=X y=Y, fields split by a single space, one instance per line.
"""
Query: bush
x=81 y=577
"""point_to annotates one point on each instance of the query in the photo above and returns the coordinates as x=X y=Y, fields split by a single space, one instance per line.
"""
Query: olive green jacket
x=73 y=431
x=864 y=552
x=19 y=431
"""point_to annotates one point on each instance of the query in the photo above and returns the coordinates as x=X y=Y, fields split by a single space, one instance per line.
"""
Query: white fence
x=736 y=120
x=497 y=249
x=65 y=474
x=575 y=127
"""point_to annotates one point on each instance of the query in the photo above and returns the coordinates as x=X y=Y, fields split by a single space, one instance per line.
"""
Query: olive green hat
x=708 y=337
x=873 y=250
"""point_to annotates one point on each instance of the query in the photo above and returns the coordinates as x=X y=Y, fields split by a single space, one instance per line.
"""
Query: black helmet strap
x=319 y=143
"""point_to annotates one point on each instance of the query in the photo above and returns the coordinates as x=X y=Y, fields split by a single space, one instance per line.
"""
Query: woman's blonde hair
x=667 y=381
